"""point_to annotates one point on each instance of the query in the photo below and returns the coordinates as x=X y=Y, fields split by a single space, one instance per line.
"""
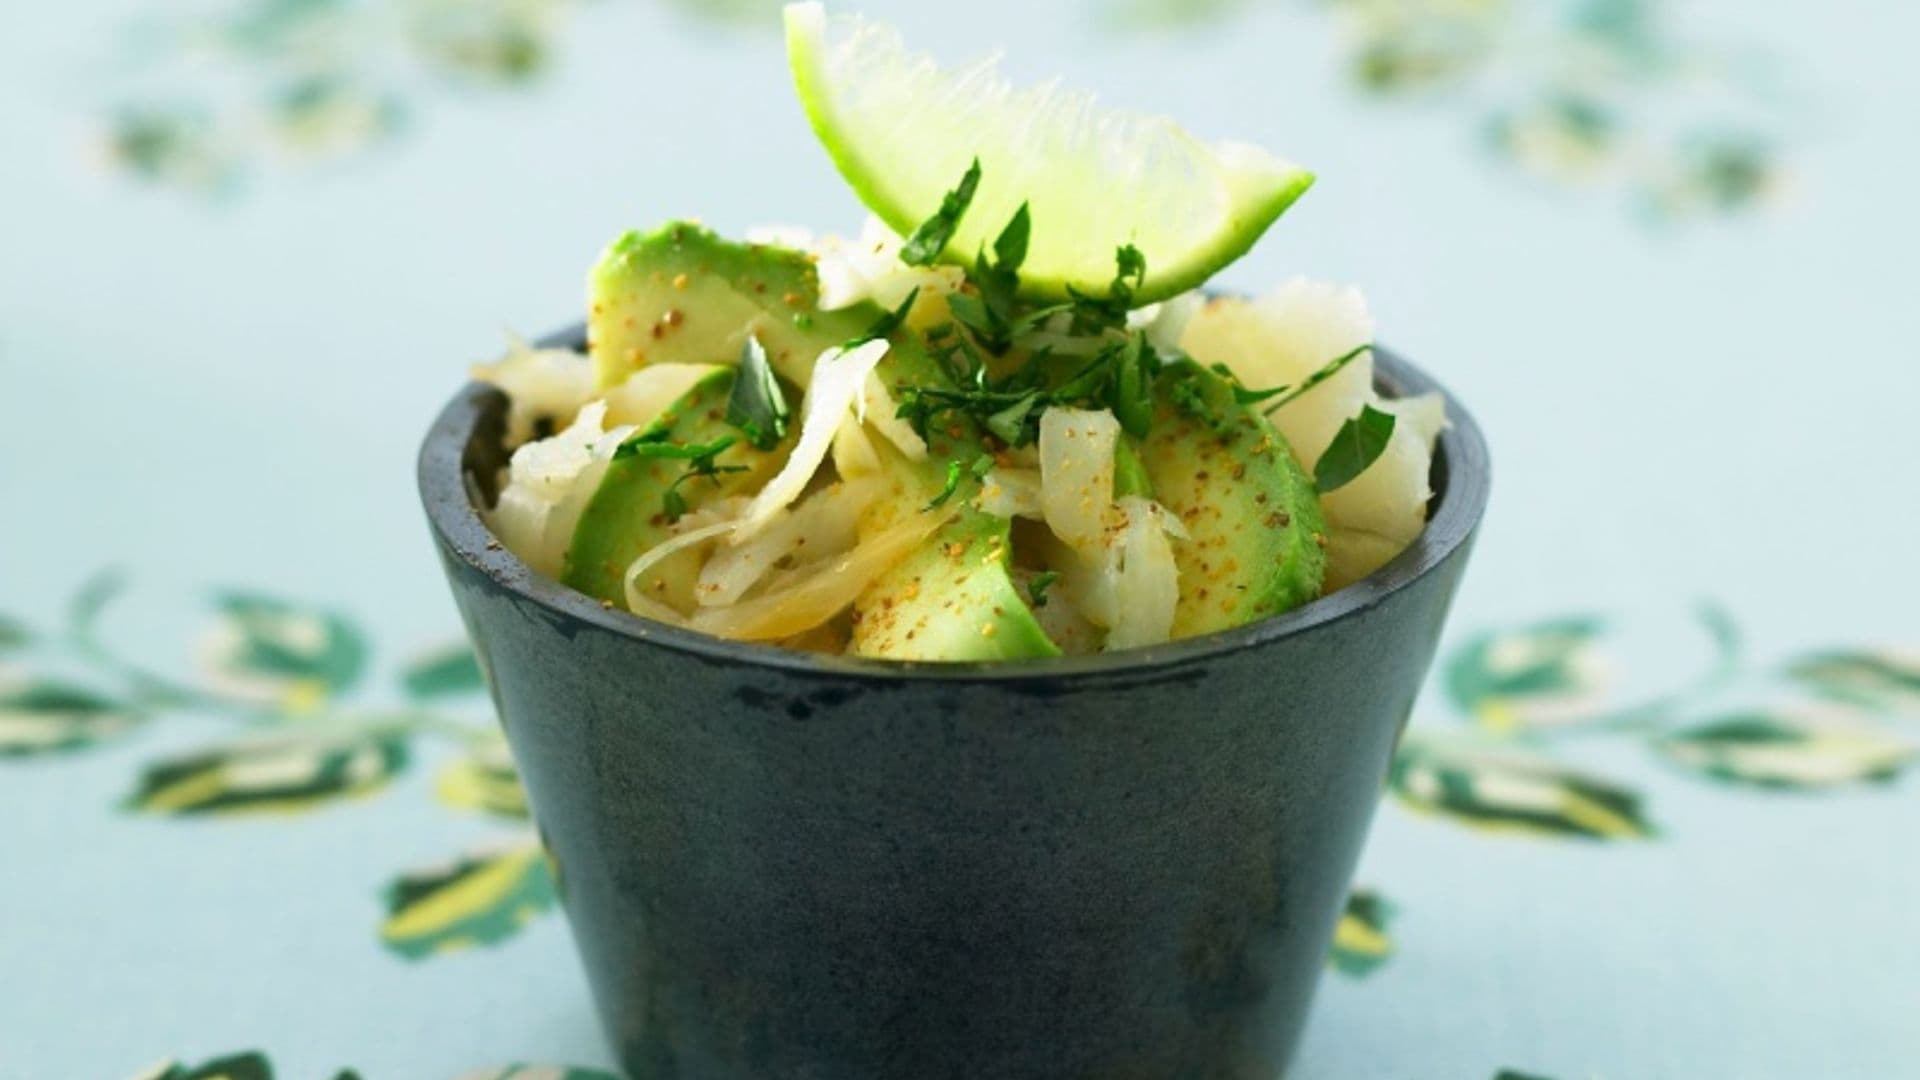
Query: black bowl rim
x=1462 y=467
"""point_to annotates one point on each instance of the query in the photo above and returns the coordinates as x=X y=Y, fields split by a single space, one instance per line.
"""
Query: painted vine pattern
x=254 y=1065
x=1605 y=95
x=285 y=675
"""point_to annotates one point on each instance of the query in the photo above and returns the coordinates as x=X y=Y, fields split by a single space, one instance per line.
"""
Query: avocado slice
x=680 y=294
x=956 y=597
x=627 y=514
x=1256 y=535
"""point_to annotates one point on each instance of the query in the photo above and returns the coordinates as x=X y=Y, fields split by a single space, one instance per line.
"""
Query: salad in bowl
x=1007 y=419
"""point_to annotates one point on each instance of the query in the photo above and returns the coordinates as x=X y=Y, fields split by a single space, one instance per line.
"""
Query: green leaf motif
x=484 y=779
x=279 y=654
x=248 y=1065
x=538 y=1073
x=1789 y=751
x=1546 y=673
x=1516 y=1074
x=44 y=717
x=1360 y=941
x=482 y=898
x=1503 y=791
x=276 y=774
x=1876 y=679
x=13 y=632
x=451 y=670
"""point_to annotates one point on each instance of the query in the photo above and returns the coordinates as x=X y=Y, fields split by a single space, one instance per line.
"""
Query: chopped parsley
x=756 y=406
x=1110 y=311
x=701 y=459
x=1326 y=371
x=1358 y=444
x=1038 y=586
x=933 y=235
x=885 y=325
x=946 y=492
x=991 y=311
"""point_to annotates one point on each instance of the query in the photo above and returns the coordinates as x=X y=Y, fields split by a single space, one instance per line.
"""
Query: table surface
x=1657 y=816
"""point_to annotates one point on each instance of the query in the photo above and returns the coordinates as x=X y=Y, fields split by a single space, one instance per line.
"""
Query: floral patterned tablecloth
x=1655 y=817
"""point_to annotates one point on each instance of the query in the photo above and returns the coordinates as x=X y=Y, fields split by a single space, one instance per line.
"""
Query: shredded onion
x=1281 y=339
x=1166 y=322
x=539 y=384
x=825 y=524
x=1011 y=493
x=820 y=595
x=1076 y=474
x=549 y=483
x=636 y=597
x=868 y=267
x=838 y=378
x=649 y=391
x=853 y=453
x=1148 y=586
x=1373 y=517
x=1060 y=619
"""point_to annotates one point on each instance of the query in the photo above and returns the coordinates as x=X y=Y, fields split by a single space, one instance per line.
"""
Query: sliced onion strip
x=651 y=557
x=838 y=379
x=824 y=525
x=821 y=594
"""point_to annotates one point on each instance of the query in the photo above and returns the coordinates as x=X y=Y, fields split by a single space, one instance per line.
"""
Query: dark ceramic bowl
x=782 y=866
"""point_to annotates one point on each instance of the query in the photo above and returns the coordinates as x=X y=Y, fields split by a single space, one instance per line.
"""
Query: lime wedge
x=903 y=131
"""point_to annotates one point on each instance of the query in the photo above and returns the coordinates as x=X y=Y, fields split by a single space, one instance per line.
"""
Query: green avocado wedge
x=680 y=294
x=627 y=514
x=955 y=598
x=1255 y=531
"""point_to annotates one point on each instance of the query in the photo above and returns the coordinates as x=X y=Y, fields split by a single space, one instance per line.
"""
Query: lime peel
x=901 y=131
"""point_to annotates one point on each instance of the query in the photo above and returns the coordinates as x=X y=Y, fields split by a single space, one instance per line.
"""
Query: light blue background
x=233 y=392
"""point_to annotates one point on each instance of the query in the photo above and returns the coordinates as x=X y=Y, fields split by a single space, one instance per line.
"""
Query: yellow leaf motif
x=1360 y=941
x=484 y=779
x=280 y=773
x=1802 y=749
x=479 y=899
x=1547 y=673
x=1505 y=791
x=265 y=650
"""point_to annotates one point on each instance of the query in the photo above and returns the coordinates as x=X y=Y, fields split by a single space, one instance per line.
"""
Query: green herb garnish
x=1037 y=588
x=655 y=444
x=886 y=324
x=1130 y=391
x=946 y=492
x=1109 y=312
x=1242 y=395
x=700 y=458
x=1327 y=371
x=1119 y=374
x=933 y=235
x=756 y=406
x=1358 y=444
x=993 y=311
x=1009 y=425
x=1129 y=472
